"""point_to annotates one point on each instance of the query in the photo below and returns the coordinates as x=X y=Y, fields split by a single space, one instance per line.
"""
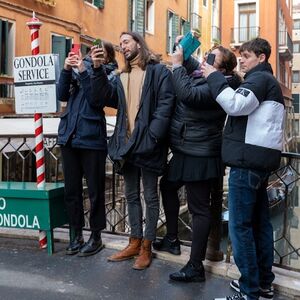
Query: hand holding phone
x=210 y=59
x=75 y=48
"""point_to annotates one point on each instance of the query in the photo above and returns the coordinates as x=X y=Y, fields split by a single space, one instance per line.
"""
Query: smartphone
x=211 y=59
x=75 y=48
x=98 y=42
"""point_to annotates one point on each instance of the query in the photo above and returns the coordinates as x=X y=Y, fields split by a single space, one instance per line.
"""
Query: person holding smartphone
x=195 y=140
x=83 y=140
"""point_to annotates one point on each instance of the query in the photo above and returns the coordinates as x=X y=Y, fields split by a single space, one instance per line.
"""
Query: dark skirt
x=191 y=168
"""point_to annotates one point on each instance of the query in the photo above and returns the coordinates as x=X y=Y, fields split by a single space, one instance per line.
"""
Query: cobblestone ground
x=29 y=273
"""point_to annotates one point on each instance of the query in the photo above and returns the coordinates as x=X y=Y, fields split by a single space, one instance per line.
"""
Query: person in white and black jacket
x=252 y=144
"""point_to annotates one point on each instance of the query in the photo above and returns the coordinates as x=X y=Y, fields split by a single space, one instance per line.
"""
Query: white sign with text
x=35 y=83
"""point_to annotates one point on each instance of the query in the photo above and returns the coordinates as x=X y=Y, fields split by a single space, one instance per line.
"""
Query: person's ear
x=262 y=58
x=138 y=46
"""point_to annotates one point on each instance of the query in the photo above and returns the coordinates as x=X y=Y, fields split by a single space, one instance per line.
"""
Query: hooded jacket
x=253 y=136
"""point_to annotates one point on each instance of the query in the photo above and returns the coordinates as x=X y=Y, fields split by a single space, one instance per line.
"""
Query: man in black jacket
x=252 y=145
x=144 y=97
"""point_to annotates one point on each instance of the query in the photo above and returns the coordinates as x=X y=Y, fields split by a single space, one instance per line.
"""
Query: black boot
x=189 y=273
x=167 y=245
x=76 y=242
x=93 y=245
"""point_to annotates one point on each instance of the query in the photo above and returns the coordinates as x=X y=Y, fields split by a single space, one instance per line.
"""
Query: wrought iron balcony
x=285 y=45
x=240 y=35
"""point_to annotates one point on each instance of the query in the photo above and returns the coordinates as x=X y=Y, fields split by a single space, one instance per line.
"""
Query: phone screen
x=211 y=58
x=75 y=48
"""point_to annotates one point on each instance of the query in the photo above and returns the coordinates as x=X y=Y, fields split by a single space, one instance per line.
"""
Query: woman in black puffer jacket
x=195 y=141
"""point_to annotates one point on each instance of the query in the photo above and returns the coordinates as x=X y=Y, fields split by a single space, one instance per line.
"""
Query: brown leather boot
x=132 y=250
x=144 y=259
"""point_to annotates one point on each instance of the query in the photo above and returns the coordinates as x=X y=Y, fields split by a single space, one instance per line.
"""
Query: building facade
x=81 y=21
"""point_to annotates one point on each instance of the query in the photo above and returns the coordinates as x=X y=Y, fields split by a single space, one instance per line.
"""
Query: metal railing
x=240 y=35
x=17 y=163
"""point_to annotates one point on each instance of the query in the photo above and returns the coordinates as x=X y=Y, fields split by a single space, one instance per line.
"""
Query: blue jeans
x=250 y=229
x=132 y=176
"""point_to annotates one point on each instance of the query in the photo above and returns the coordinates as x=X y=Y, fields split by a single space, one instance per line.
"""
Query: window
x=6 y=47
x=296 y=129
x=296 y=47
x=185 y=26
x=296 y=103
x=61 y=45
x=205 y=3
x=97 y=3
x=247 y=22
x=137 y=16
x=296 y=76
x=172 y=30
x=297 y=24
x=149 y=16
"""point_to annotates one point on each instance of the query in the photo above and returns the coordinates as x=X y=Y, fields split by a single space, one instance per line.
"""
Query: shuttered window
x=172 y=30
x=61 y=46
x=185 y=26
x=4 y=40
x=137 y=16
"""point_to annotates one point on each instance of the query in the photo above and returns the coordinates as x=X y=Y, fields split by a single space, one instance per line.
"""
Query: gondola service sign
x=35 y=84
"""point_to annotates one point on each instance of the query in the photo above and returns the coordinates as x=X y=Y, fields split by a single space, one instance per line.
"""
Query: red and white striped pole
x=34 y=25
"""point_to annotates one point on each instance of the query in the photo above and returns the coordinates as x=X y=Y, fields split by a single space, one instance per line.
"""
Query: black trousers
x=204 y=200
x=90 y=164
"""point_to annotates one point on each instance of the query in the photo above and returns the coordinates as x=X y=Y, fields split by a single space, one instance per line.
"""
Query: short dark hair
x=229 y=61
x=258 y=46
x=145 y=54
x=110 y=51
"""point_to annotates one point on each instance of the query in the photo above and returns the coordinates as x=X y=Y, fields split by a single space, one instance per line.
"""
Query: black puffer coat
x=198 y=121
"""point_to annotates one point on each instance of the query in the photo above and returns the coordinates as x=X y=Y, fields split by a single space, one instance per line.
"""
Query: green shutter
x=140 y=17
x=59 y=47
x=175 y=28
x=99 y=3
x=130 y=15
x=186 y=27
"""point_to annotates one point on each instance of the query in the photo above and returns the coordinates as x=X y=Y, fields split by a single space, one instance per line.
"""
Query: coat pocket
x=90 y=126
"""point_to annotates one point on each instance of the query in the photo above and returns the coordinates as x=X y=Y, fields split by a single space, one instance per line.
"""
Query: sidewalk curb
x=286 y=282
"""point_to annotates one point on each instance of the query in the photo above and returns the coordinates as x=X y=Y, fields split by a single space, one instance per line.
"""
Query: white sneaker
x=263 y=293
x=237 y=296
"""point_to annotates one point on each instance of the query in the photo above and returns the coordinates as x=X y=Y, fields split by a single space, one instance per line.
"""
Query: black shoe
x=75 y=244
x=166 y=245
x=189 y=273
x=93 y=245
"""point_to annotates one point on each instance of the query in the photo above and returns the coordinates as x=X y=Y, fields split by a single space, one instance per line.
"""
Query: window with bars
x=6 y=47
x=247 y=22
x=97 y=3
x=173 y=30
